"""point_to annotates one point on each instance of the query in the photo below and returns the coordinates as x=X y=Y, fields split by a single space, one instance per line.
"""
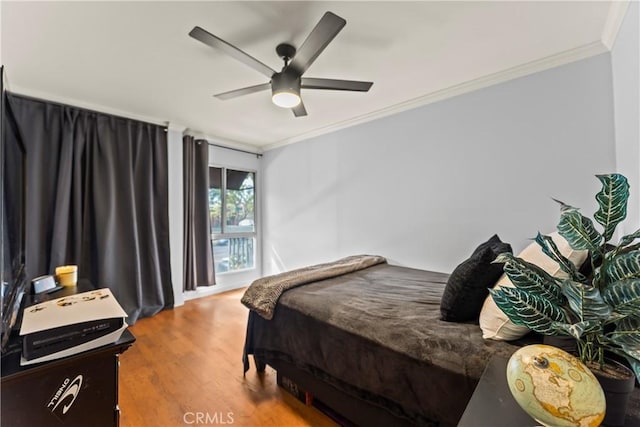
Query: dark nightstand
x=492 y=404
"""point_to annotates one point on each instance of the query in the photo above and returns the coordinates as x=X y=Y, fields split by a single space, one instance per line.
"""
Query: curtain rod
x=258 y=155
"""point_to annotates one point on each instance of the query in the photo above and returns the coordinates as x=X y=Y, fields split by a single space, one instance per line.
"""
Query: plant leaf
x=529 y=310
x=550 y=249
x=564 y=206
x=585 y=301
x=622 y=266
x=576 y=330
x=579 y=231
x=624 y=297
x=612 y=200
x=629 y=238
x=531 y=278
x=627 y=332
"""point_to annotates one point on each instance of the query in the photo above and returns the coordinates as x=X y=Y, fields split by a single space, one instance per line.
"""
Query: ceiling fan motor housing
x=286 y=84
x=285 y=81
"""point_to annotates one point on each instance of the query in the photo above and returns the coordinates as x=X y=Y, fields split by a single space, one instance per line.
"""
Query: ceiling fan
x=286 y=84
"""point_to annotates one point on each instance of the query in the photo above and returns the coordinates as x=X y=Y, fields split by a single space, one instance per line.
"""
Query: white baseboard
x=205 y=291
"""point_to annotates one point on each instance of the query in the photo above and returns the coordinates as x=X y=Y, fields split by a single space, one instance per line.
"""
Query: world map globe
x=555 y=388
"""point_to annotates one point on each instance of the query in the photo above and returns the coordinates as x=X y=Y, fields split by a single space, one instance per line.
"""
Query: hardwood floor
x=185 y=368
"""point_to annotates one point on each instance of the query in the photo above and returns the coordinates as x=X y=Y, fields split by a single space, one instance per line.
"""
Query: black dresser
x=78 y=390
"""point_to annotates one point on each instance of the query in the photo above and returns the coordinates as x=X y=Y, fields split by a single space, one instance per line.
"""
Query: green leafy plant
x=601 y=311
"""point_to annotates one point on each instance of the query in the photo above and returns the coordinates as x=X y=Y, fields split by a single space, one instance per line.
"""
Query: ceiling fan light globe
x=286 y=99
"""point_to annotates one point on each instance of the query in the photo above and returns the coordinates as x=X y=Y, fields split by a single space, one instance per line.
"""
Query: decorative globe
x=555 y=388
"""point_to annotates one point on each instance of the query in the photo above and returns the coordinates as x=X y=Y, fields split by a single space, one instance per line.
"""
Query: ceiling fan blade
x=244 y=91
x=328 y=27
x=332 y=84
x=299 y=110
x=216 y=42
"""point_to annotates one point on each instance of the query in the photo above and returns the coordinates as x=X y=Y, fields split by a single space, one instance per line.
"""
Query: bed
x=369 y=344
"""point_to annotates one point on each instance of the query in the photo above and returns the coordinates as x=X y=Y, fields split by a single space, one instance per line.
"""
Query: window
x=232 y=211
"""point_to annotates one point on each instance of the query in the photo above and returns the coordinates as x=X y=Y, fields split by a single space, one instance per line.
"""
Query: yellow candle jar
x=67 y=275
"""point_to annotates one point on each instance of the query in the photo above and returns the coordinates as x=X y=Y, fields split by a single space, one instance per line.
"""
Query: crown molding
x=122 y=113
x=617 y=12
x=72 y=102
x=223 y=142
x=542 y=64
x=175 y=127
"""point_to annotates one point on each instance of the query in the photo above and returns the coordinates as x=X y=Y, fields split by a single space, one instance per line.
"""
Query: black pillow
x=469 y=283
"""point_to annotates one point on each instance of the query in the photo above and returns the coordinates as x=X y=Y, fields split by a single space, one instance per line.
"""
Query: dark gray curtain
x=97 y=196
x=198 y=254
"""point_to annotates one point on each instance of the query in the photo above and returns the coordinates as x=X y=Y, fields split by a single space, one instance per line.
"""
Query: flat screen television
x=12 y=221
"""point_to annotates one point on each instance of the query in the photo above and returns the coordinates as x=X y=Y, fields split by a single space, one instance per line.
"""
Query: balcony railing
x=233 y=254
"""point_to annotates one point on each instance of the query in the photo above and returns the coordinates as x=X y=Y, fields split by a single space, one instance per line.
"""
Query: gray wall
x=625 y=64
x=425 y=186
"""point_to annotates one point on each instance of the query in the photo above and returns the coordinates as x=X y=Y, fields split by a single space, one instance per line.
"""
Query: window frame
x=224 y=234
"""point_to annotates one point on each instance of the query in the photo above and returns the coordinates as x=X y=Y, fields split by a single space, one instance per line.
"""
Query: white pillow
x=494 y=323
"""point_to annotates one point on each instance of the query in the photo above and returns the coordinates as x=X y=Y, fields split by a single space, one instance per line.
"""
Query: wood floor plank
x=187 y=363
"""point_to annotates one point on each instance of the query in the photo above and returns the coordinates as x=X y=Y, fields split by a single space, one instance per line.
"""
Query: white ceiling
x=136 y=59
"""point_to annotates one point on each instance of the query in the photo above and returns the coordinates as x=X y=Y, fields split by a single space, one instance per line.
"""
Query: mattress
x=376 y=334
